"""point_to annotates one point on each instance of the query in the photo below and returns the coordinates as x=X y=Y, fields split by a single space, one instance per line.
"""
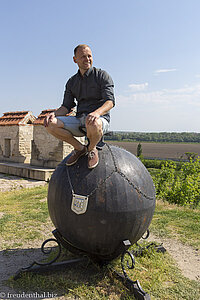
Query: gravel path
x=187 y=258
x=10 y=182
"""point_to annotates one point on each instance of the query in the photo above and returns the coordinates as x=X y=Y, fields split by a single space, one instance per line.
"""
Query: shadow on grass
x=80 y=280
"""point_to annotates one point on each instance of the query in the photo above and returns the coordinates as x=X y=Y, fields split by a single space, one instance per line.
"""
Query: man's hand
x=92 y=117
x=48 y=119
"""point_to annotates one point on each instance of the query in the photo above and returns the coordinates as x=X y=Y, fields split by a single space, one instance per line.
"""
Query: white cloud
x=186 y=90
x=138 y=87
x=187 y=95
x=164 y=71
x=155 y=97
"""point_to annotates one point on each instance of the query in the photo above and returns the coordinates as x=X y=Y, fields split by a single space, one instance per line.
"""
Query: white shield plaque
x=79 y=204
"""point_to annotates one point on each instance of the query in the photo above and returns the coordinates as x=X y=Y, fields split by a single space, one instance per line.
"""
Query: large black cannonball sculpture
x=120 y=205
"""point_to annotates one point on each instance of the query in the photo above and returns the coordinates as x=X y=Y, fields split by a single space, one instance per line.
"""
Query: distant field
x=159 y=150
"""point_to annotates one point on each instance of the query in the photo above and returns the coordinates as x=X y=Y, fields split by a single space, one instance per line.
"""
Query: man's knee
x=54 y=124
x=95 y=128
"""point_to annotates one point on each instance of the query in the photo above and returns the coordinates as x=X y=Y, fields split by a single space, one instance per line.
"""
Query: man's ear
x=74 y=59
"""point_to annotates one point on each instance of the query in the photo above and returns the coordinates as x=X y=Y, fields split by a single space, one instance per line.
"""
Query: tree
x=139 y=150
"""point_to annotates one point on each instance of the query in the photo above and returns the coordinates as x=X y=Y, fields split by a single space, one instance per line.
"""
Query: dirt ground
x=187 y=258
x=160 y=150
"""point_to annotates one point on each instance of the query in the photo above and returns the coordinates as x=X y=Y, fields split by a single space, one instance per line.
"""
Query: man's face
x=83 y=59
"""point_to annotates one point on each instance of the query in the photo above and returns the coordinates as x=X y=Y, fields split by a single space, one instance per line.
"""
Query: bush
x=153 y=163
x=179 y=186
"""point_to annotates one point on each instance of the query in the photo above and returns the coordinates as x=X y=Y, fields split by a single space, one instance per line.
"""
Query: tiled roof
x=17 y=118
x=43 y=114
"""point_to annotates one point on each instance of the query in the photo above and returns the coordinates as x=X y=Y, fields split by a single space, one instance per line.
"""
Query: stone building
x=24 y=139
x=16 y=134
x=47 y=151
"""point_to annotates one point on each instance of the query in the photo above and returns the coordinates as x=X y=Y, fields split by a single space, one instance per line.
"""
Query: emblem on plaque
x=79 y=204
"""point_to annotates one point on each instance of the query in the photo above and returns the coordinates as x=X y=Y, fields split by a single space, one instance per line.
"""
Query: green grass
x=23 y=214
x=158 y=274
x=177 y=222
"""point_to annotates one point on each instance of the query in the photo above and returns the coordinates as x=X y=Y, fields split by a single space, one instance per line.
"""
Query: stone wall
x=9 y=134
x=15 y=143
x=25 y=142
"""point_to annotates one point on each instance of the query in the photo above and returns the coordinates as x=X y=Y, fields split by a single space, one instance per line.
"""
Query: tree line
x=172 y=137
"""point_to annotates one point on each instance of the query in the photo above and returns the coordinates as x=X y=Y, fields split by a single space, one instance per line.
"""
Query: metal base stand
x=133 y=286
x=52 y=265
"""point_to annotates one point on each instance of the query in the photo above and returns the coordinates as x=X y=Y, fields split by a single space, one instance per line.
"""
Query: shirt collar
x=87 y=73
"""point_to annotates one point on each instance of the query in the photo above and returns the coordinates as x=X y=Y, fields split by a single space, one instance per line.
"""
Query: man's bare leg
x=56 y=128
x=94 y=134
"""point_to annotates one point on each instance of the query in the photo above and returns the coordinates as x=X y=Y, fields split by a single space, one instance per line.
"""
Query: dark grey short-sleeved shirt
x=90 y=91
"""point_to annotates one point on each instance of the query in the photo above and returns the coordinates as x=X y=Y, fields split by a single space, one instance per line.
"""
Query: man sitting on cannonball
x=93 y=91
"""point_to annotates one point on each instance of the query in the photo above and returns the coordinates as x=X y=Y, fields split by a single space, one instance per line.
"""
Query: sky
x=151 y=49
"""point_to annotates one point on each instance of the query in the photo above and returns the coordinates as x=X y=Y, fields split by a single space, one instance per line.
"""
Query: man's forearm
x=105 y=108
